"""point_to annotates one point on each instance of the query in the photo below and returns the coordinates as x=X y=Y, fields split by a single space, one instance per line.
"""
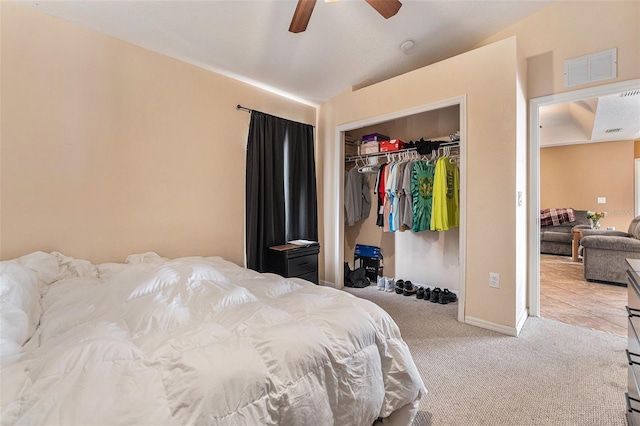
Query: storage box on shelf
x=369 y=148
x=374 y=137
x=391 y=145
x=371 y=143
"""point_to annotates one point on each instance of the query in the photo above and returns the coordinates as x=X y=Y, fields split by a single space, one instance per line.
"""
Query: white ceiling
x=613 y=117
x=347 y=43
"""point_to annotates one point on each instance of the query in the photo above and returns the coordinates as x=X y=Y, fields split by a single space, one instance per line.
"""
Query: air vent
x=619 y=129
x=630 y=93
x=590 y=68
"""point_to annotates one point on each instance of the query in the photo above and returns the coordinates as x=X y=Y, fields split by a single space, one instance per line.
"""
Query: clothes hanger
x=432 y=157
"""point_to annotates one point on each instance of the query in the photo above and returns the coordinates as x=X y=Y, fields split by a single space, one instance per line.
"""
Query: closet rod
x=241 y=108
x=399 y=151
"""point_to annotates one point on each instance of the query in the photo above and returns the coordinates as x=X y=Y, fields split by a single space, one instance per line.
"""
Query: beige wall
x=488 y=78
x=109 y=149
x=576 y=175
x=567 y=29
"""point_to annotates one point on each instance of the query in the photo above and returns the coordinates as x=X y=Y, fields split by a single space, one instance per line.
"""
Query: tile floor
x=566 y=296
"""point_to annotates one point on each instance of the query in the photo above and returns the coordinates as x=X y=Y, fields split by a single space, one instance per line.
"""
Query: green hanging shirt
x=422 y=193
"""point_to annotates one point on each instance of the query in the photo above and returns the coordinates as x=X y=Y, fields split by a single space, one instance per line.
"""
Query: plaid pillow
x=553 y=217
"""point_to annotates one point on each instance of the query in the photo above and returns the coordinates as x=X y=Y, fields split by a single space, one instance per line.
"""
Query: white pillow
x=45 y=265
x=20 y=305
x=72 y=268
x=15 y=330
x=148 y=257
x=108 y=270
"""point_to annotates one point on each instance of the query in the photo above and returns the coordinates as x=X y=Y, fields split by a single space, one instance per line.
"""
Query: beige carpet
x=552 y=374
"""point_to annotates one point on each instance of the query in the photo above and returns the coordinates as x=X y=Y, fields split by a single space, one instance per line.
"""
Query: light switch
x=602 y=200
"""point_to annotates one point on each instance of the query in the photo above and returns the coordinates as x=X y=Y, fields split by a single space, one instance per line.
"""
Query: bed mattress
x=192 y=341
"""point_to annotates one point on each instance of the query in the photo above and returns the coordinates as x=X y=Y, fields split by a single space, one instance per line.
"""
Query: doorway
x=534 y=172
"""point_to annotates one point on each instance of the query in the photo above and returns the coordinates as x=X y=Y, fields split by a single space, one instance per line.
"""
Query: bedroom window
x=281 y=203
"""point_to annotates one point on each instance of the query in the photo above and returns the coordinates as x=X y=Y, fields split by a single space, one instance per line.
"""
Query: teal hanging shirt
x=422 y=194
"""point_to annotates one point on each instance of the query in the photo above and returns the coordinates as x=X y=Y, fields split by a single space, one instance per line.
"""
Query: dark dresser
x=633 y=347
x=291 y=261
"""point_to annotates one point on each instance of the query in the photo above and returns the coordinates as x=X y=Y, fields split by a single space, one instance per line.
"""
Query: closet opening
x=428 y=258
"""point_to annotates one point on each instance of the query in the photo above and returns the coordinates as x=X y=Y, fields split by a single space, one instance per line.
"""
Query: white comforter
x=192 y=341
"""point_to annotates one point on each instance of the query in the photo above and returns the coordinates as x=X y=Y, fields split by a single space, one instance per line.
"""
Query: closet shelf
x=377 y=154
x=400 y=151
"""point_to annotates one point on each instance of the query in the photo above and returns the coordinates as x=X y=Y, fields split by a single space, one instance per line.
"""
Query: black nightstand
x=290 y=261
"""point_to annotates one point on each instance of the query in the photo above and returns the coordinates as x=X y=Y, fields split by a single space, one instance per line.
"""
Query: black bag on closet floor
x=357 y=278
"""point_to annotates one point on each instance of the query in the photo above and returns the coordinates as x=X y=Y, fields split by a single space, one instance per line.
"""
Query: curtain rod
x=241 y=108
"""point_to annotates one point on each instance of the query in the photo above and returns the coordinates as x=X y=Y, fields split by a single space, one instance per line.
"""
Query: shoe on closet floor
x=420 y=293
x=390 y=286
x=399 y=286
x=427 y=294
x=382 y=283
x=409 y=289
x=447 y=297
x=435 y=295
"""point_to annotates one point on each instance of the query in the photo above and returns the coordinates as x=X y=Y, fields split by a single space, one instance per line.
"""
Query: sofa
x=557 y=239
x=604 y=253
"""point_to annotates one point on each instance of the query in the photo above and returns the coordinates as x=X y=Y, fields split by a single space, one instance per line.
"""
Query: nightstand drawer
x=292 y=261
x=303 y=265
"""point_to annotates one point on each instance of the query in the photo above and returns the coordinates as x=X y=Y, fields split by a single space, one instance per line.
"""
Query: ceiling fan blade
x=301 y=16
x=386 y=8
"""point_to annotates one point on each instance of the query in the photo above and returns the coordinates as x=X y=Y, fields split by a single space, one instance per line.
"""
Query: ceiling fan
x=386 y=8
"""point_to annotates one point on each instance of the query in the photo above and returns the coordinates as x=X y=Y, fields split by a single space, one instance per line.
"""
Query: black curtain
x=281 y=202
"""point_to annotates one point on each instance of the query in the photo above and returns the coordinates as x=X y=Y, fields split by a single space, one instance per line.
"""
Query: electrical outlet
x=602 y=200
x=494 y=280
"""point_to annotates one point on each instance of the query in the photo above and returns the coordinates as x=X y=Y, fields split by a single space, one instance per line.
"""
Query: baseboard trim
x=510 y=331
x=327 y=284
x=523 y=318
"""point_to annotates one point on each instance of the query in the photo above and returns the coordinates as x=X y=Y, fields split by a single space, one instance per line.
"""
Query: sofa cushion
x=634 y=228
x=557 y=229
x=621 y=244
x=604 y=232
x=557 y=237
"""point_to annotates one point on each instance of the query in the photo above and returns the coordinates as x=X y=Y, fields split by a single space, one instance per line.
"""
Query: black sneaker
x=446 y=297
x=420 y=293
x=399 y=286
x=427 y=294
x=409 y=289
x=435 y=295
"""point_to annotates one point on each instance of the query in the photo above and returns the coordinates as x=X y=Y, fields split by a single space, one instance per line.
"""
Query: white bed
x=193 y=341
